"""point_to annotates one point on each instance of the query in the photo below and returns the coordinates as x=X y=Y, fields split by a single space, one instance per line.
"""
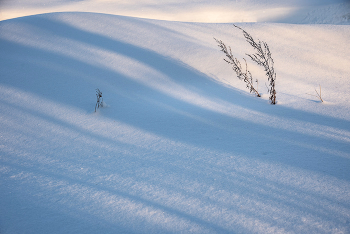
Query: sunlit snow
x=180 y=146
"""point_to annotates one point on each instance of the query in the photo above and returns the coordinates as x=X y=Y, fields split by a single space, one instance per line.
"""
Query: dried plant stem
x=99 y=102
x=246 y=76
x=319 y=95
x=263 y=58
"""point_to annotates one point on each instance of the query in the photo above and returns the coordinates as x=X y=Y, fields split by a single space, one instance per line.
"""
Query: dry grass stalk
x=319 y=95
x=263 y=58
x=246 y=76
x=99 y=102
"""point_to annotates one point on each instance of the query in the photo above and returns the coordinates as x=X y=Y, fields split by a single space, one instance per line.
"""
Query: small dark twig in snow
x=99 y=102
x=319 y=95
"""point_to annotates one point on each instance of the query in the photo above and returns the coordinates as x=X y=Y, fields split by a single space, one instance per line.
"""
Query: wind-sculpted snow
x=97 y=173
x=219 y=11
x=181 y=147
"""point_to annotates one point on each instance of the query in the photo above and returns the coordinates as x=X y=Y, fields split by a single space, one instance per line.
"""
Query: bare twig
x=263 y=58
x=236 y=66
x=99 y=102
x=319 y=95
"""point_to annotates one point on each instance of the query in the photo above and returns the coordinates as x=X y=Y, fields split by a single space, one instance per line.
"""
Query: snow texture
x=179 y=146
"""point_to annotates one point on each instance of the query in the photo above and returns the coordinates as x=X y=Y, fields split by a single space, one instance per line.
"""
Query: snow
x=222 y=11
x=180 y=146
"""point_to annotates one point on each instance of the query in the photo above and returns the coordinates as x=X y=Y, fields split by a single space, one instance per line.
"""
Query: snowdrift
x=181 y=146
x=205 y=11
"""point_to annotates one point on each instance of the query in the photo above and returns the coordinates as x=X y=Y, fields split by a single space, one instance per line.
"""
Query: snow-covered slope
x=219 y=11
x=180 y=146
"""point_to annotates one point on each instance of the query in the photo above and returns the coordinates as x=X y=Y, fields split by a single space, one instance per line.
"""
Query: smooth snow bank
x=72 y=172
x=221 y=11
x=182 y=146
